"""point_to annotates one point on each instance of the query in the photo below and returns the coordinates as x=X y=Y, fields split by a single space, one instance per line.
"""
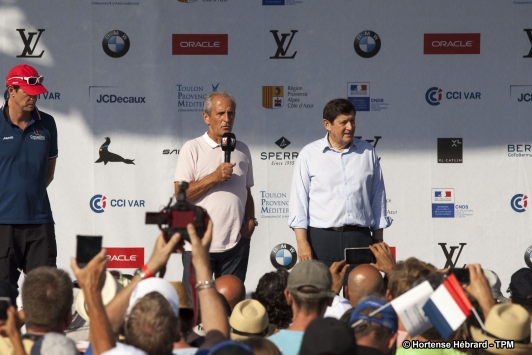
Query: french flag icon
x=448 y=307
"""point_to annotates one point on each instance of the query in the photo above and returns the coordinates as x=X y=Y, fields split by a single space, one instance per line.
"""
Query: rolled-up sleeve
x=378 y=197
x=299 y=194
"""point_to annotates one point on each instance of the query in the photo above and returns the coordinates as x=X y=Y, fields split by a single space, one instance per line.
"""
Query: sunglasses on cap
x=31 y=80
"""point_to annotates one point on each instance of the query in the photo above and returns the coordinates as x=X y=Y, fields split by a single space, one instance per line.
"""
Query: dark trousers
x=25 y=247
x=231 y=262
x=328 y=246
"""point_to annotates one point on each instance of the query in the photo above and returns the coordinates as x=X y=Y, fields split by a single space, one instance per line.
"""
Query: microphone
x=228 y=145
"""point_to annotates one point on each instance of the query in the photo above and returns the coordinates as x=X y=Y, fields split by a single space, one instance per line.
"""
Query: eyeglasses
x=31 y=80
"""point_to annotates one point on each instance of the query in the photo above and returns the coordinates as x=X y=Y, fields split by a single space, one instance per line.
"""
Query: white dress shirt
x=332 y=188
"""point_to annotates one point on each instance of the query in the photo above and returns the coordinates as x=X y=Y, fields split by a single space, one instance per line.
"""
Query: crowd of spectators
x=306 y=311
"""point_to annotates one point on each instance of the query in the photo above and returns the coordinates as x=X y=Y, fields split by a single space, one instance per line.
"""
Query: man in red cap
x=28 y=152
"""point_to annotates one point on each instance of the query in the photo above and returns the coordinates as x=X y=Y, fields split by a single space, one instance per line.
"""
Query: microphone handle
x=227 y=157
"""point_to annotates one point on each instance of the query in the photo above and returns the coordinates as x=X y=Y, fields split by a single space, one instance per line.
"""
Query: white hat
x=154 y=284
x=124 y=349
x=109 y=291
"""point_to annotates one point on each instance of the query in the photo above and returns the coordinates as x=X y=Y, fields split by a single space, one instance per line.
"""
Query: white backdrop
x=79 y=72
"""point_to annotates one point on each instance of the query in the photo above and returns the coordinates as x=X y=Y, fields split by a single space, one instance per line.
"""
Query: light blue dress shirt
x=332 y=188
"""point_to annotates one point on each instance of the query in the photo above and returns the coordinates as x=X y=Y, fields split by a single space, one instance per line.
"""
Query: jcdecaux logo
x=98 y=203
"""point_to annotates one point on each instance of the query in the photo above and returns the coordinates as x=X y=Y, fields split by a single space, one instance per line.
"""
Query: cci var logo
x=434 y=95
x=98 y=203
x=125 y=258
x=283 y=256
x=115 y=44
x=451 y=43
x=200 y=44
x=29 y=44
x=519 y=203
x=367 y=44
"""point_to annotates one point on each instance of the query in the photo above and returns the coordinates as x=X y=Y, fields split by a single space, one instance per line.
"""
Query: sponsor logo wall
x=431 y=95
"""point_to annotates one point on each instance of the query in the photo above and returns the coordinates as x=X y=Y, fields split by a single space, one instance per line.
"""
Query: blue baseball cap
x=389 y=317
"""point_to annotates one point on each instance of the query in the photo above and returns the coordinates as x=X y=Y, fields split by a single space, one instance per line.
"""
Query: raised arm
x=213 y=315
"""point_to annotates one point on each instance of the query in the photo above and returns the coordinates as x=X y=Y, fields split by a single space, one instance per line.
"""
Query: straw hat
x=249 y=318
x=506 y=321
x=110 y=289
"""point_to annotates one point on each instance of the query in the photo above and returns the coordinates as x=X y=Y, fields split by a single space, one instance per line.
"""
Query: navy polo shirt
x=24 y=159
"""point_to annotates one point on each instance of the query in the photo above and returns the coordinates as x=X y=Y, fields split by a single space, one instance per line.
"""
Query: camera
x=174 y=219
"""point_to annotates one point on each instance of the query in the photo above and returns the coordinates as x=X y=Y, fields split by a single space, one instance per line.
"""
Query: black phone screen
x=462 y=275
x=359 y=256
x=87 y=248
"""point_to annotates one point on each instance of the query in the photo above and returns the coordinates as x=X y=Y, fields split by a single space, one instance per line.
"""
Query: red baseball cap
x=16 y=75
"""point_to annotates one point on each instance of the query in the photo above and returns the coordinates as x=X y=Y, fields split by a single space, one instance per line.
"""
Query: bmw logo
x=528 y=259
x=283 y=256
x=367 y=44
x=115 y=44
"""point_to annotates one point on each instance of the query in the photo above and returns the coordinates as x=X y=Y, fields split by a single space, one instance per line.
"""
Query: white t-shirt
x=226 y=200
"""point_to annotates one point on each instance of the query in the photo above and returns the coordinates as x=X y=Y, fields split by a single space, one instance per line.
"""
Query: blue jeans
x=231 y=262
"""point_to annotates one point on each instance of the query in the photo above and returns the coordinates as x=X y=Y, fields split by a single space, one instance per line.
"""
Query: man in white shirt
x=221 y=188
x=338 y=198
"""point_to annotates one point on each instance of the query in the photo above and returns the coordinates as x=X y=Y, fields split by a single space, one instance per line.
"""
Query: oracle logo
x=125 y=258
x=200 y=44
x=451 y=43
x=122 y=257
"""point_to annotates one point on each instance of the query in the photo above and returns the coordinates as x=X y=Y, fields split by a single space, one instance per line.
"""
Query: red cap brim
x=33 y=90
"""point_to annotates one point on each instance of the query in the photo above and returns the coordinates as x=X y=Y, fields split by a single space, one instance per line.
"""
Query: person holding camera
x=337 y=200
x=222 y=188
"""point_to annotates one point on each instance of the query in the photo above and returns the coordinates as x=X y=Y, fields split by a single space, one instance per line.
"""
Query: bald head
x=362 y=280
x=231 y=288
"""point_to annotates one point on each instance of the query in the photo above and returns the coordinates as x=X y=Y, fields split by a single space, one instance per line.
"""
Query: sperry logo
x=450 y=253
x=28 y=49
x=8 y=138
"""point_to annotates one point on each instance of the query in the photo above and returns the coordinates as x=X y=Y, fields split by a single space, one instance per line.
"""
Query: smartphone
x=359 y=256
x=462 y=275
x=87 y=248
x=5 y=303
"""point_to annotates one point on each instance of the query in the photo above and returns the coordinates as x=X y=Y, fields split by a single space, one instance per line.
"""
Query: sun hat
x=249 y=318
x=109 y=291
x=506 y=321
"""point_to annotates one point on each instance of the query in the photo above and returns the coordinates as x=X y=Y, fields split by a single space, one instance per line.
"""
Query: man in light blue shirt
x=338 y=198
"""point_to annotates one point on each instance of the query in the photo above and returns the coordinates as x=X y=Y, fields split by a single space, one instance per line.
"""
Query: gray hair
x=207 y=104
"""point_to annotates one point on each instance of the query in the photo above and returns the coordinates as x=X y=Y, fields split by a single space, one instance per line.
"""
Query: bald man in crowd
x=363 y=280
x=231 y=288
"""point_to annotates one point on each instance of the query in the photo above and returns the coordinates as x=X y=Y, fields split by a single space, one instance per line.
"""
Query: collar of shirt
x=35 y=116
x=209 y=141
x=326 y=145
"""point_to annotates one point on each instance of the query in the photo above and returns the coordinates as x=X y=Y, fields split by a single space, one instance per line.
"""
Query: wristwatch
x=143 y=272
